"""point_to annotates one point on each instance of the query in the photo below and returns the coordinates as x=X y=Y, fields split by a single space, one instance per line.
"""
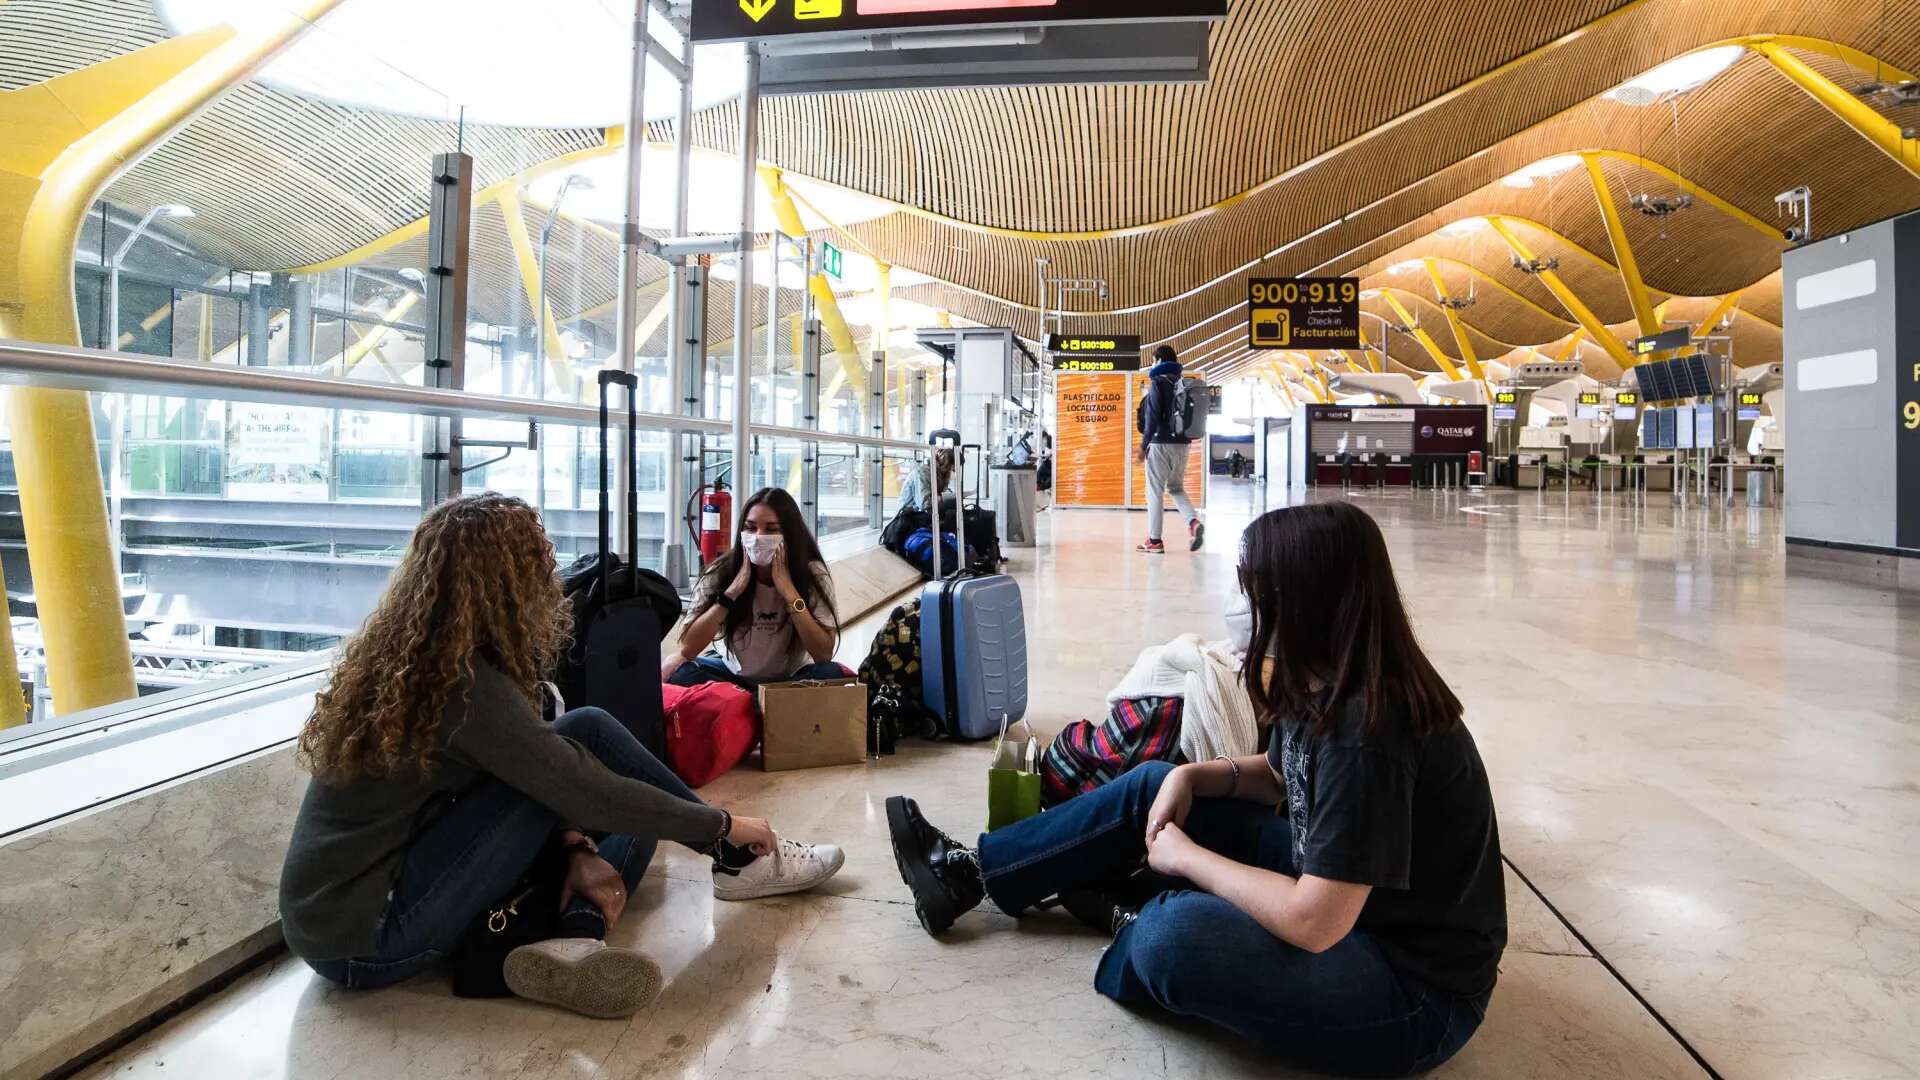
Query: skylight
x=1677 y=76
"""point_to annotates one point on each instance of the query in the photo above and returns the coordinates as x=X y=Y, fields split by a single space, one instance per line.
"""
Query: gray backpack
x=1188 y=413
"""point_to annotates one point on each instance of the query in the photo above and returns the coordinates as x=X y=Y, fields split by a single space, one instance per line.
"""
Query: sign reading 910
x=1304 y=313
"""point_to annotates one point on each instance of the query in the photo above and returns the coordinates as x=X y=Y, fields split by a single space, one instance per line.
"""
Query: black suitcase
x=980 y=527
x=621 y=613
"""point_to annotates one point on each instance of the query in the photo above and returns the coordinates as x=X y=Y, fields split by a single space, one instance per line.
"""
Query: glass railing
x=254 y=516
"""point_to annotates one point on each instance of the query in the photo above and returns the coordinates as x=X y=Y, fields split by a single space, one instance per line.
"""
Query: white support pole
x=743 y=285
x=624 y=306
x=675 y=554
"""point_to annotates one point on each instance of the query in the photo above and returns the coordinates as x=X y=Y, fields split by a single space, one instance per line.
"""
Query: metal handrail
x=68 y=367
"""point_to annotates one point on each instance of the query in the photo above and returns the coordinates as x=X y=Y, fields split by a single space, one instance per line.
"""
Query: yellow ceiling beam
x=1571 y=347
x=615 y=139
x=1425 y=339
x=1582 y=314
x=1559 y=317
x=1623 y=256
x=529 y=263
x=1843 y=103
x=67 y=139
x=1719 y=311
x=373 y=336
x=824 y=300
x=1453 y=320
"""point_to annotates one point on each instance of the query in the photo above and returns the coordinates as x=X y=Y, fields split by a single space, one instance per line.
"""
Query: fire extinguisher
x=716 y=511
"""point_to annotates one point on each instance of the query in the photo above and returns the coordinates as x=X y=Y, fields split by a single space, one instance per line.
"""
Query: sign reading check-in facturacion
x=1303 y=313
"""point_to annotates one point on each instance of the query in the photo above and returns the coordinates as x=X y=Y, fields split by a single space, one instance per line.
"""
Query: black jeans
x=473 y=854
x=1344 y=1011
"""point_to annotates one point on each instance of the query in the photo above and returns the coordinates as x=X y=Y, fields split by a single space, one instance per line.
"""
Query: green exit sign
x=832 y=263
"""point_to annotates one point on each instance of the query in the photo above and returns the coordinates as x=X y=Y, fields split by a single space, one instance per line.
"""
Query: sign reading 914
x=1304 y=313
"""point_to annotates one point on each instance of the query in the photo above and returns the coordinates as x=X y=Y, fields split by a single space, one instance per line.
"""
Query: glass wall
x=286 y=231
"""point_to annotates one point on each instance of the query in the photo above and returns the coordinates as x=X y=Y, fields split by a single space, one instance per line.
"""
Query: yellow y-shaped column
x=67 y=140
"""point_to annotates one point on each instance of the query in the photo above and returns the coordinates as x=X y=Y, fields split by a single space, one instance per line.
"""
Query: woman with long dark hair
x=1338 y=902
x=766 y=606
x=439 y=789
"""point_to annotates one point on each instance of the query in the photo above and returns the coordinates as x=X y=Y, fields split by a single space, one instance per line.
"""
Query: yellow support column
x=1425 y=339
x=1581 y=313
x=67 y=139
x=1460 y=337
x=1571 y=347
x=1622 y=250
x=528 y=262
x=824 y=300
x=1720 y=311
x=1841 y=102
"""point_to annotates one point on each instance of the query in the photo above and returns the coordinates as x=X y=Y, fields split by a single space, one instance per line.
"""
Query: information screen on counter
x=741 y=20
x=1303 y=313
x=1749 y=405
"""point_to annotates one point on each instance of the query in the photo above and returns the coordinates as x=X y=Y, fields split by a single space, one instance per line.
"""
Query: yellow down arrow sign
x=757 y=9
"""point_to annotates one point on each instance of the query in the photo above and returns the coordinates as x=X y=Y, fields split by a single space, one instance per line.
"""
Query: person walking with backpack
x=1164 y=447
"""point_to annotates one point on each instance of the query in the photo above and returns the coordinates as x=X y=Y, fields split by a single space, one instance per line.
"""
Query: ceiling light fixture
x=1535 y=266
x=1677 y=76
x=1659 y=206
x=1891 y=95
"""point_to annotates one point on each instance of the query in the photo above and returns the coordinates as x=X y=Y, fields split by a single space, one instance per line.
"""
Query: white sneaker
x=589 y=977
x=793 y=867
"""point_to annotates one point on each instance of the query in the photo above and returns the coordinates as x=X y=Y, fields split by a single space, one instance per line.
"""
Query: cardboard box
x=810 y=725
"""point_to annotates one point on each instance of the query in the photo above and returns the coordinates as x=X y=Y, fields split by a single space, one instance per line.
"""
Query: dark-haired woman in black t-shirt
x=1339 y=902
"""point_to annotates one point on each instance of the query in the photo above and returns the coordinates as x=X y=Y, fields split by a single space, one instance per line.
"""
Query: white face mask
x=1240 y=622
x=761 y=550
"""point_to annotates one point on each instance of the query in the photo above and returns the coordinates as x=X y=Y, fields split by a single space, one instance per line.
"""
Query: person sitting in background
x=438 y=787
x=766 y=606
x=1358 y=930
x=917 y=493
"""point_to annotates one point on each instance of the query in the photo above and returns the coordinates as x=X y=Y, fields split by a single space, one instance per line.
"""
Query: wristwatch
x=799 y=605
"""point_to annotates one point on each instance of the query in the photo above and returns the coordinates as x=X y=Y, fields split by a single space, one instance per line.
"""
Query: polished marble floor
x=1708 y=778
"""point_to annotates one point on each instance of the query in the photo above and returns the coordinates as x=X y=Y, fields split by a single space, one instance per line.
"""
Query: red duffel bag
x=709 y=729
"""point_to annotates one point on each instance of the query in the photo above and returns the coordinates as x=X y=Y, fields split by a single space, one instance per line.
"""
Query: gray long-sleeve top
x=351 y=839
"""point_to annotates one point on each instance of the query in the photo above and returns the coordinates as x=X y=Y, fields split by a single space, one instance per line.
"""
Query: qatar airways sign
x=1458 y=430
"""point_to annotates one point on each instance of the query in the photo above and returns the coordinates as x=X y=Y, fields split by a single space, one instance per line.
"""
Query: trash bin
x=1016 y=494
x=1760 y=487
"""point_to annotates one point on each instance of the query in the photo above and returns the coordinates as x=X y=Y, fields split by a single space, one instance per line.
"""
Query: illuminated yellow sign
x=1590 y=398
x=1303 y=313
x=1749 y=399
x=1506 y=397
x=1627 y=400
x=816 y=9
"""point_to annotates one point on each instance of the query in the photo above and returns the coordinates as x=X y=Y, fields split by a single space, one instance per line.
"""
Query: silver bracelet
x=1235 y=766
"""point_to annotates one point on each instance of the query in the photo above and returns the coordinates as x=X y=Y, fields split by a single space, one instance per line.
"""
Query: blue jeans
x=710 y=668
x=1343 y=1011
x=473 y=854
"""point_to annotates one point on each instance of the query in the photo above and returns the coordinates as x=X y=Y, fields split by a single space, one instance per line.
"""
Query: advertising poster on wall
x=1449 y=431
x=276 y=452
x=1093 y=426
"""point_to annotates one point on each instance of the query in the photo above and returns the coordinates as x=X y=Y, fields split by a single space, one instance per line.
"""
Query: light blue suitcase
x=973 y=648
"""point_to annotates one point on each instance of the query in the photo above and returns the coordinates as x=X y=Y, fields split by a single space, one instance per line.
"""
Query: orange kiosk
x=1096 y=447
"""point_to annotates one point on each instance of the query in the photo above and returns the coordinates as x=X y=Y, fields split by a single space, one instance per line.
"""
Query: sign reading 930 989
x=1304 y=313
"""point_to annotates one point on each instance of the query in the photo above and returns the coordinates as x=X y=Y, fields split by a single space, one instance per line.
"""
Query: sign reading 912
x=1303 y=313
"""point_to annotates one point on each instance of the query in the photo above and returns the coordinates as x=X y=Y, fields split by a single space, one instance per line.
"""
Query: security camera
x=1798 y=204
x=1794 y=234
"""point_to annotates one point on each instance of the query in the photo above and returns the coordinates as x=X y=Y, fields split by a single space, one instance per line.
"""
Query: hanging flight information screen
x=741 y=20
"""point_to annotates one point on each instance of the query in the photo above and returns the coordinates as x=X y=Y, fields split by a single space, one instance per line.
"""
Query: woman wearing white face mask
x=766 y=606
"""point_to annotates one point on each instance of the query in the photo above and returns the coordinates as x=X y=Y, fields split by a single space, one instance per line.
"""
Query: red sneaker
x=1198 y=534
x=1152 y=547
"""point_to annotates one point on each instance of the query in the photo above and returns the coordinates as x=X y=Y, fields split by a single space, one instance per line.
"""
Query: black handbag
x=529 y=913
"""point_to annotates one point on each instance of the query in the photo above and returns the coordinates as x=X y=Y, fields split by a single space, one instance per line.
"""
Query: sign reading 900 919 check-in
x=739 y=20
x=1304 y=313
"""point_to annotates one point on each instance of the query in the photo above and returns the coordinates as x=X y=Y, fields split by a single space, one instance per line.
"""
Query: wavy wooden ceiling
x=1389 y=142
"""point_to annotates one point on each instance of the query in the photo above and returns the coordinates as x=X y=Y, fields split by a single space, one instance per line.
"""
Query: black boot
x=943 y=873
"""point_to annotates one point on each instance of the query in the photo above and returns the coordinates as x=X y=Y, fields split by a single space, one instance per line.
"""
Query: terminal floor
x=1707 y=774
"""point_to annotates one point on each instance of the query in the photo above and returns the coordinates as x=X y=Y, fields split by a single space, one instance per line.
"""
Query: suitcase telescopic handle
x=608 y=379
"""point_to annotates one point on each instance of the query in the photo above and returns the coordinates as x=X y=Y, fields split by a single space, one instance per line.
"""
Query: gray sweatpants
x=1167 y=475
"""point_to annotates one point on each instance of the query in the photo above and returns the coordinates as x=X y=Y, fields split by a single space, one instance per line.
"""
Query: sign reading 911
x=1304 y=313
